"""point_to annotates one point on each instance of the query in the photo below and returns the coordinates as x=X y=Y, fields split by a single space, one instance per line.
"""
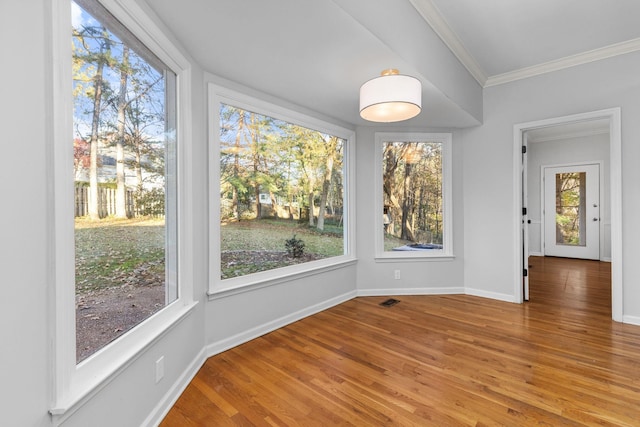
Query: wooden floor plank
x=445 y=360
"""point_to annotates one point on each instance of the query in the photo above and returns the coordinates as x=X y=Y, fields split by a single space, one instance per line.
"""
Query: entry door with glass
x=572 y=211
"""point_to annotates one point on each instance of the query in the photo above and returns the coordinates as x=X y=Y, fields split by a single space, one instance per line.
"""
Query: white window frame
x=447 y=244
x=74 y=384
x=219 y=288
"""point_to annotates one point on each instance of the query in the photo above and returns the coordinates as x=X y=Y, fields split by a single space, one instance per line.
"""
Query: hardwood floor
x=435 y=360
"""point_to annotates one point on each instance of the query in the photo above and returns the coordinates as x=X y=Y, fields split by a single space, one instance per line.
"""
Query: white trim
x=525 y=216
x=436 y=257
x=632 y=320
x=74 y=384
x=491 y=295
x=167 y=402
x=615 y=183
x=430 y=13
x=566 y=62
x=543 y=238
x=136 y=20
x=136 y=345
x=253 y=283
x=447 y=183
x=61 y=224
x=443 y=290
x=571 y=135
x=235 y=340
x=221 y=288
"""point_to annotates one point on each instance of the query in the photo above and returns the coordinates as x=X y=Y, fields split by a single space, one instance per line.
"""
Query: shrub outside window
x=282 y=205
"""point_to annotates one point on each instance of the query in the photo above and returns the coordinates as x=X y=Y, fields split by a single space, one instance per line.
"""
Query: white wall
x=24 y=355
x=591 y=148
x=131 y=397
x=27 y=258
x=417 y=276
x=488 y=164
x=483 y=231
x=236 y=319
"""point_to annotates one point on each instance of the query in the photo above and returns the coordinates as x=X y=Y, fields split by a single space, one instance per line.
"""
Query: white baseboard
x=458 y=290
x=492 y=295
x=167 y=402
x=632 y=320
x=409 y=291
x=233 y=341
x=170 y=398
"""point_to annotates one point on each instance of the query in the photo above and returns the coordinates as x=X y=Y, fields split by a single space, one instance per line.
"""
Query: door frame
x=525 y=216
x=600 y=165
x=613 y=115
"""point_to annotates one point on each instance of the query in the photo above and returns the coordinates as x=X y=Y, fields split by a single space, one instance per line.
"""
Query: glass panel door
x=572 y=211
x=570 y=208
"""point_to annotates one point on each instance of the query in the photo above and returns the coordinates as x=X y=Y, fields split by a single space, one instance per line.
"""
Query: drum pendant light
x=392 y=97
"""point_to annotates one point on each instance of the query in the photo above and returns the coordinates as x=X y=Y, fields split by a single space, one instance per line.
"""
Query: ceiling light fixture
x=392 y=97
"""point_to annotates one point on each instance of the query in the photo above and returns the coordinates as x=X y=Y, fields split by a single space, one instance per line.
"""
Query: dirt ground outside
x=103 y=315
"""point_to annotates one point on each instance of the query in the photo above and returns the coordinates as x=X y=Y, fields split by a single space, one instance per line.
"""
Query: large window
x=117 y=156
x=282 y=200
x=414 y=179
x=124 y=178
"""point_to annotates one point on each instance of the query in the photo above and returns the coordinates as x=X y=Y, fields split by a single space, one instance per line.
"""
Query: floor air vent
x=389 y=302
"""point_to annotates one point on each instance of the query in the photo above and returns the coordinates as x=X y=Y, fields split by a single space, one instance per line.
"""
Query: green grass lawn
x=110 y=251
x=270 y=235
x=391 y=242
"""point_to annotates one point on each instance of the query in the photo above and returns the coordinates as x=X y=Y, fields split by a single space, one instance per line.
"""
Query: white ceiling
x=504 y=36
x=317 y=53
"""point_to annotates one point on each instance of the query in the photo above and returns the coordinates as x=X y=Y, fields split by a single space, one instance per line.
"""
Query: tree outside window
x=124 y=178
x=281 y=186
x=414 y=199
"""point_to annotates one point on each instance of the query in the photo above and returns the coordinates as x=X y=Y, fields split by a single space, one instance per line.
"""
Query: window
x=282 y=205
x=124 y=179
x=414 y=199
x=118 y=151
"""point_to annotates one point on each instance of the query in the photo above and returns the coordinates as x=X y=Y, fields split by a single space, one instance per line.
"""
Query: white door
x=572 y=211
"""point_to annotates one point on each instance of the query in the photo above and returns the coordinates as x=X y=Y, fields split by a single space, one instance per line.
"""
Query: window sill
x=413 y=257
x=142 y=338
x=251 y=283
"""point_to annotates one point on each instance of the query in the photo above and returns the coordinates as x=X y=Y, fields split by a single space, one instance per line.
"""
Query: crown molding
x=436 y=21
x=566 y=62
x=430 y=13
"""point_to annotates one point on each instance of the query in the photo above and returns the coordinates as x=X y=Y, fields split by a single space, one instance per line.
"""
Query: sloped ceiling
x=506 y=40
x=317 y=53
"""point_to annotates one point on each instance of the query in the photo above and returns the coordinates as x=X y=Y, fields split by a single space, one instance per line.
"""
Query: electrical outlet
x=159 y=369
x=396 y=274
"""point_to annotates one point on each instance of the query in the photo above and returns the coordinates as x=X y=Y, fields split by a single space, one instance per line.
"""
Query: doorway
x=614 y=176
x=571 y=212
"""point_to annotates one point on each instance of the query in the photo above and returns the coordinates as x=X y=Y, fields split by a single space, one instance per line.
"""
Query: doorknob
x=595 y=219
x=595 y=205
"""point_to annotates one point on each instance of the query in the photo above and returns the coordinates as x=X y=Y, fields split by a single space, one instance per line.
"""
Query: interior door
x=572 y=211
